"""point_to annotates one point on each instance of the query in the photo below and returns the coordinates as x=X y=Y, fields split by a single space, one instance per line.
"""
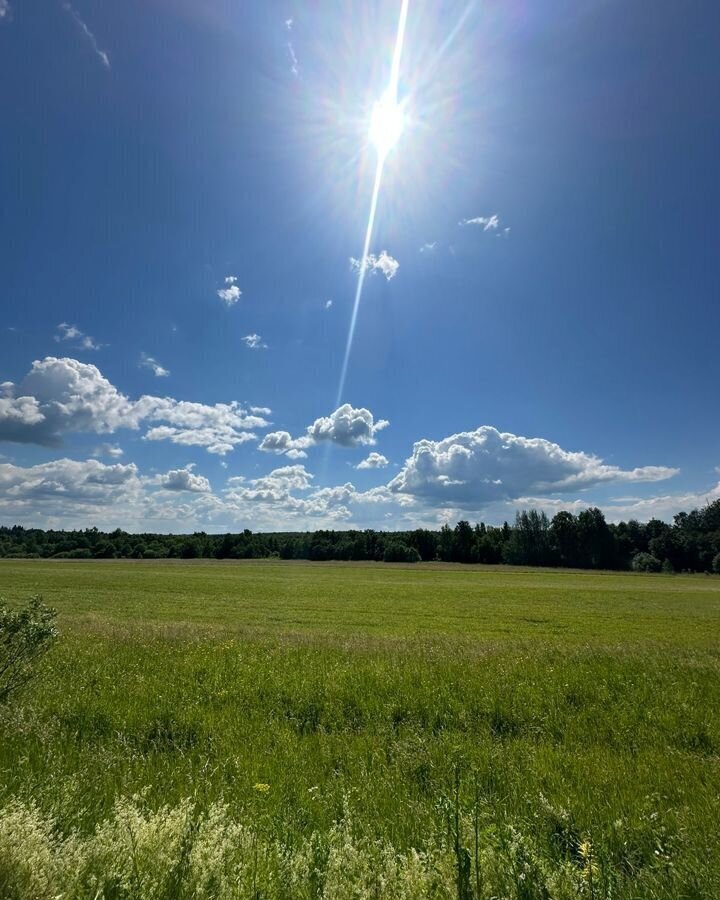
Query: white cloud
x=282 y=442
x=5 y=10
x=383 y=263
x=373 y=461
x=254 y=342
x=231 y=293
x=64 y=484
x=62 y=395
x=111 y=450
x=260 y=410
x=67 y=332
x=328 y=304
x=488 y=223
x=101 y=54
x=347 y=426
x=428 y=248
x=183 y=480
x=294 y=64
x=149 y=362
x=72 y=332
x=472 y=469
x=69 y=493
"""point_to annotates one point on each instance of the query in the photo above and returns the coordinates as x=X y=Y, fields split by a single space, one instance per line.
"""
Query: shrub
x=25 y=636
x=645 y=562
x=716 y=564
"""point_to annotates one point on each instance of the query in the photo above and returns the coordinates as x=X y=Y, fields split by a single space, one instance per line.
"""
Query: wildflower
x=261 y=787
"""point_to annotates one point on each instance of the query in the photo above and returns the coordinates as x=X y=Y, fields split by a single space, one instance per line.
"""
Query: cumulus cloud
x=149 y=362
x=488 y=223
x=231 y=293
x=67 y=332
x=254 y=342
x=69 y=493
x=90 y=37
x=347 y=426
x=373 y=461
x=260 y=410
x=383 y=263
x=282 y=442
x=183 y=480
x=472 y=469
x=62 y=395
x=64 y=484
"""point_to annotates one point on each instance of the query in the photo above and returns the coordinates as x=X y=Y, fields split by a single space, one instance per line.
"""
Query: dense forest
x=585 y=541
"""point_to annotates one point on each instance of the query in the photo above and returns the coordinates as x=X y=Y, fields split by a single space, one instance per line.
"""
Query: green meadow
x=299 y=730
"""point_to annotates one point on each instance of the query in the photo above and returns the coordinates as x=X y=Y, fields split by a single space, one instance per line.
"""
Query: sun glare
x=386 y=124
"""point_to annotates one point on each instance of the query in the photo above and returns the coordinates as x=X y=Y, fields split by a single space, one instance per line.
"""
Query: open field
x=340 y=730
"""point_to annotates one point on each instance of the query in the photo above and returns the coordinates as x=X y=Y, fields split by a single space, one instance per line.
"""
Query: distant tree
x=395 y=551
x=446 y=544
x=716 y=565
x=189 y=549
x=667 y=567
x=595 y=539
x=529 y=543
x=463 y=542
x=564 y=537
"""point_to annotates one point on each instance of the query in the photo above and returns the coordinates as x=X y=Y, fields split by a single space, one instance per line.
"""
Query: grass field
x=301 y=730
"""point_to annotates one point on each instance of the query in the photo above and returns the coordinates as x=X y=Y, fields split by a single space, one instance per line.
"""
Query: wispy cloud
x=488 y=223
x=111 y=450
x=294 y=64
x=72 y=333
x=328 y=304
x=101 y=54
x=149 y=362
x=231 y=293
x=5 y=11
x=383 y=263
x=429 y=247
x=254 y=342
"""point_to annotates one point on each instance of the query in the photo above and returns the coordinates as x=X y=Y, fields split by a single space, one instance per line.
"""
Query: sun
x=387 y=122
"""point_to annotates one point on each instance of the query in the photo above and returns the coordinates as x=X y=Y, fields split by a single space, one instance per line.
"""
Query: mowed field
x=274 y=729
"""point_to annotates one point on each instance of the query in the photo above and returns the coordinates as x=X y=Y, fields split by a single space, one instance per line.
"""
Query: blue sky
x=185 y=187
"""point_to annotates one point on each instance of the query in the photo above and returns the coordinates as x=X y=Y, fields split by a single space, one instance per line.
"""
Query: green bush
x=25 y=636
x=646 y=562
x=716 y=564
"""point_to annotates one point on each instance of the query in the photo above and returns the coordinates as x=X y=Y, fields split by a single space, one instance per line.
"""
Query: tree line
x=584 y=541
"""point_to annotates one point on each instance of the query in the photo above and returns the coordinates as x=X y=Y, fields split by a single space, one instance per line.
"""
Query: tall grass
x=168 y=759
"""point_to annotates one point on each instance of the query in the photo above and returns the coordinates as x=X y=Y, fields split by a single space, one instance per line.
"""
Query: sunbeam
x=385 y=128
